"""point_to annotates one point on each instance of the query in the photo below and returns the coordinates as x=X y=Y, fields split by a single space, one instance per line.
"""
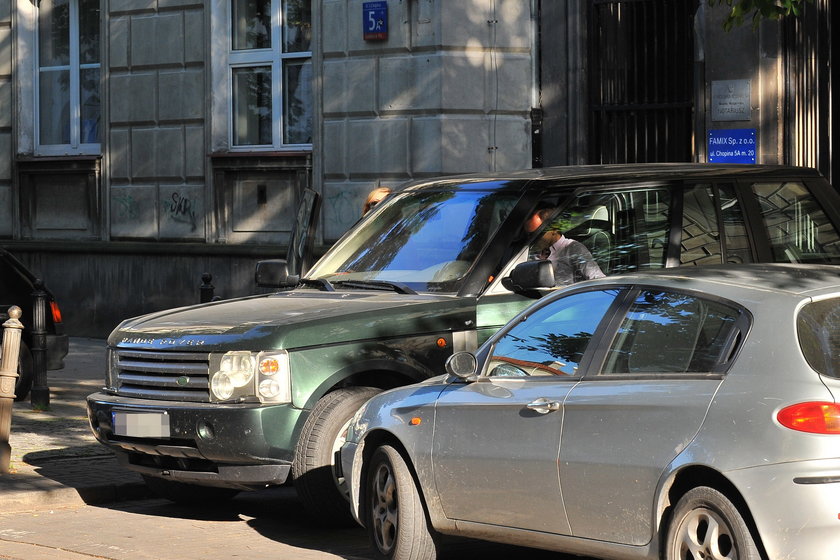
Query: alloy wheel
x=704 y=535
x=384 y=513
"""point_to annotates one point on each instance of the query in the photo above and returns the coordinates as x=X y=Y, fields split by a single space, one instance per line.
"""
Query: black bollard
x=206 y=290
x=40 y=395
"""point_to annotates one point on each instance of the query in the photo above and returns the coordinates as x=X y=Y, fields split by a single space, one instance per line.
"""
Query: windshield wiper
x=320 y=283
x=377 y=285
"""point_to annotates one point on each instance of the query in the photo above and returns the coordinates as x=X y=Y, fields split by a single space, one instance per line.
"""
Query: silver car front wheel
x=707 y=526
x=394 y=517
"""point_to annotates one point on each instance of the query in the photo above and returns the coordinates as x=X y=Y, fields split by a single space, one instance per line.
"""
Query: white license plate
x=140 y=424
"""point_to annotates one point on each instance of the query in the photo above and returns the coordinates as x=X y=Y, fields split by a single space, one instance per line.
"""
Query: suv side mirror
x=529 y=276
x=274 y=273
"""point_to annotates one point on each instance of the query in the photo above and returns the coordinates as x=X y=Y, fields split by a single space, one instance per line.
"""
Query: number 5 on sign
x=375 y=21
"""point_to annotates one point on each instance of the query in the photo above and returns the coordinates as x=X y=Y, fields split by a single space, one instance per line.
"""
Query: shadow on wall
x=96 y=291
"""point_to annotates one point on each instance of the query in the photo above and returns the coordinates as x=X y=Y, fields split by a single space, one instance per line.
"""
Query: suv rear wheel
x=322 y=491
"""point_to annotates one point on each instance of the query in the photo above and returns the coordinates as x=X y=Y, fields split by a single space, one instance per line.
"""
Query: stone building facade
x=144 y=142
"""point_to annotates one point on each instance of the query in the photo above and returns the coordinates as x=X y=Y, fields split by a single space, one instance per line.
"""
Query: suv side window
x=734 y=227
x=625 y=230
x=669 y=332
x=796 y=225
x=700 y=237
x=706 y=210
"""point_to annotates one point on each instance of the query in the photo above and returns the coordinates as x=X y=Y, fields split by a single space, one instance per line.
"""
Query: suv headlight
x=242 y=374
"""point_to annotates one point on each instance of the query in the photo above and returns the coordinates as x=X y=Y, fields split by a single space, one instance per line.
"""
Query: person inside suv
x=570 y=259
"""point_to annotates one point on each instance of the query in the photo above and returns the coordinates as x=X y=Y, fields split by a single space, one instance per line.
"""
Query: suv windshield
x=424 y=240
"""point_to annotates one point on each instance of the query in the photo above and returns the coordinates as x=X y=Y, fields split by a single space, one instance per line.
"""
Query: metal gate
x=809 y=114
x=641 y=80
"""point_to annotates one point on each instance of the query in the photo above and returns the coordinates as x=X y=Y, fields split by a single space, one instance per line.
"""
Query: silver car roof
x=740 y=282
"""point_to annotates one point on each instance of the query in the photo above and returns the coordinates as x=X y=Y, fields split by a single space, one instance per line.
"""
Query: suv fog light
x=205 y=430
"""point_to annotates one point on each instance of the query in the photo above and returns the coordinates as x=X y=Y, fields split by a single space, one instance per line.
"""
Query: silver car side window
x=553 y=340
x=668 y=332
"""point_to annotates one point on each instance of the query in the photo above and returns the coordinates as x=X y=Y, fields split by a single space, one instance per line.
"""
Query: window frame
x=732 y=347
x=594 y=358
x=672 y=188
x=616 y=309
x=75 y=68
x=230 y=60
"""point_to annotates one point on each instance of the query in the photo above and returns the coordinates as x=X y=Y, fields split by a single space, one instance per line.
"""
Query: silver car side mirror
x=462 y=365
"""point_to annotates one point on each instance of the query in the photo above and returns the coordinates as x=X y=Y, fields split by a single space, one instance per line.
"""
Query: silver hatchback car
x=687 y=414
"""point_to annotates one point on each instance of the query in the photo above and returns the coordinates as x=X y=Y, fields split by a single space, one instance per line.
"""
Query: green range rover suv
x=208 y=400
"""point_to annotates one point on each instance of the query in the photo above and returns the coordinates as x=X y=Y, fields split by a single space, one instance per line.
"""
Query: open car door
x=278 y=273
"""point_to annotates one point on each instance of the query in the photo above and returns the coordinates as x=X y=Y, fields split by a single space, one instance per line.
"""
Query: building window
x=67 y=91
x=270 y=74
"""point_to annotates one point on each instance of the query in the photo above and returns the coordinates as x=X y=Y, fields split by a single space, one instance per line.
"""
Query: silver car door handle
x=543 y=406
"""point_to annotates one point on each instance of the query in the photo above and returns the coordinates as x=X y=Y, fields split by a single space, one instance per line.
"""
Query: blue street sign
x=732 y=145
x=375 y=21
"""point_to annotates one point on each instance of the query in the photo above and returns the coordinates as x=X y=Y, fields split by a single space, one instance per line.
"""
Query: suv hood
x=295 y=319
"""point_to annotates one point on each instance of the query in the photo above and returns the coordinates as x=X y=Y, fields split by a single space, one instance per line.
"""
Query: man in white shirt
x=571 y=260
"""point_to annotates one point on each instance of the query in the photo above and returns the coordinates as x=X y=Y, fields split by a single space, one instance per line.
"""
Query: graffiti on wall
x=126 y=207
x=343 y=210
x=180 y=208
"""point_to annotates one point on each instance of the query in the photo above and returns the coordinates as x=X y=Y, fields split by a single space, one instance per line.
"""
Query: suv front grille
x=168 y=376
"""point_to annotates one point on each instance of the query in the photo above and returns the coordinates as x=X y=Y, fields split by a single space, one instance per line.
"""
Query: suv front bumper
x=227 y=445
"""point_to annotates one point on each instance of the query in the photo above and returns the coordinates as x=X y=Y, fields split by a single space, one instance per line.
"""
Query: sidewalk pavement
x=56 y=461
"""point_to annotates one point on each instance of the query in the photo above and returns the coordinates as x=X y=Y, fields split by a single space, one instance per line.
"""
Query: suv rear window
x=798 y=228
x=818 y=326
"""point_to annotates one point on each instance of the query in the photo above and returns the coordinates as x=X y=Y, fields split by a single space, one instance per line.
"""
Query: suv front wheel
x=322 y=491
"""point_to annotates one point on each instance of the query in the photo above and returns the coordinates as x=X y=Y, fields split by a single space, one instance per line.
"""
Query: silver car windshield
x=423 y=240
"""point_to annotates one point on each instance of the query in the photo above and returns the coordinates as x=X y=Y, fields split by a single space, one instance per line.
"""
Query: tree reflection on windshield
x=426 y=240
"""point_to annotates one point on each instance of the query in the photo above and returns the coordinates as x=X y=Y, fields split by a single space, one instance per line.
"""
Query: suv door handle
x=543 y=405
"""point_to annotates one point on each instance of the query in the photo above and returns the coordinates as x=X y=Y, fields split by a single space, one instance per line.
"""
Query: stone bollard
x=9 y=355
x=39 y=396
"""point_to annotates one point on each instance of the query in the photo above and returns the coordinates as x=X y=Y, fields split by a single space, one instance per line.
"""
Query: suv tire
x=322 y=492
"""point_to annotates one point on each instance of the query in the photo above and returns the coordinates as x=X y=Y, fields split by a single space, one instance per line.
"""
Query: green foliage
x=760 y=9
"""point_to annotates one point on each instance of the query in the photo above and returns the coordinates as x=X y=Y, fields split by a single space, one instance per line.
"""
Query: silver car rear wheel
x=707 y=526
x=395 y=517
